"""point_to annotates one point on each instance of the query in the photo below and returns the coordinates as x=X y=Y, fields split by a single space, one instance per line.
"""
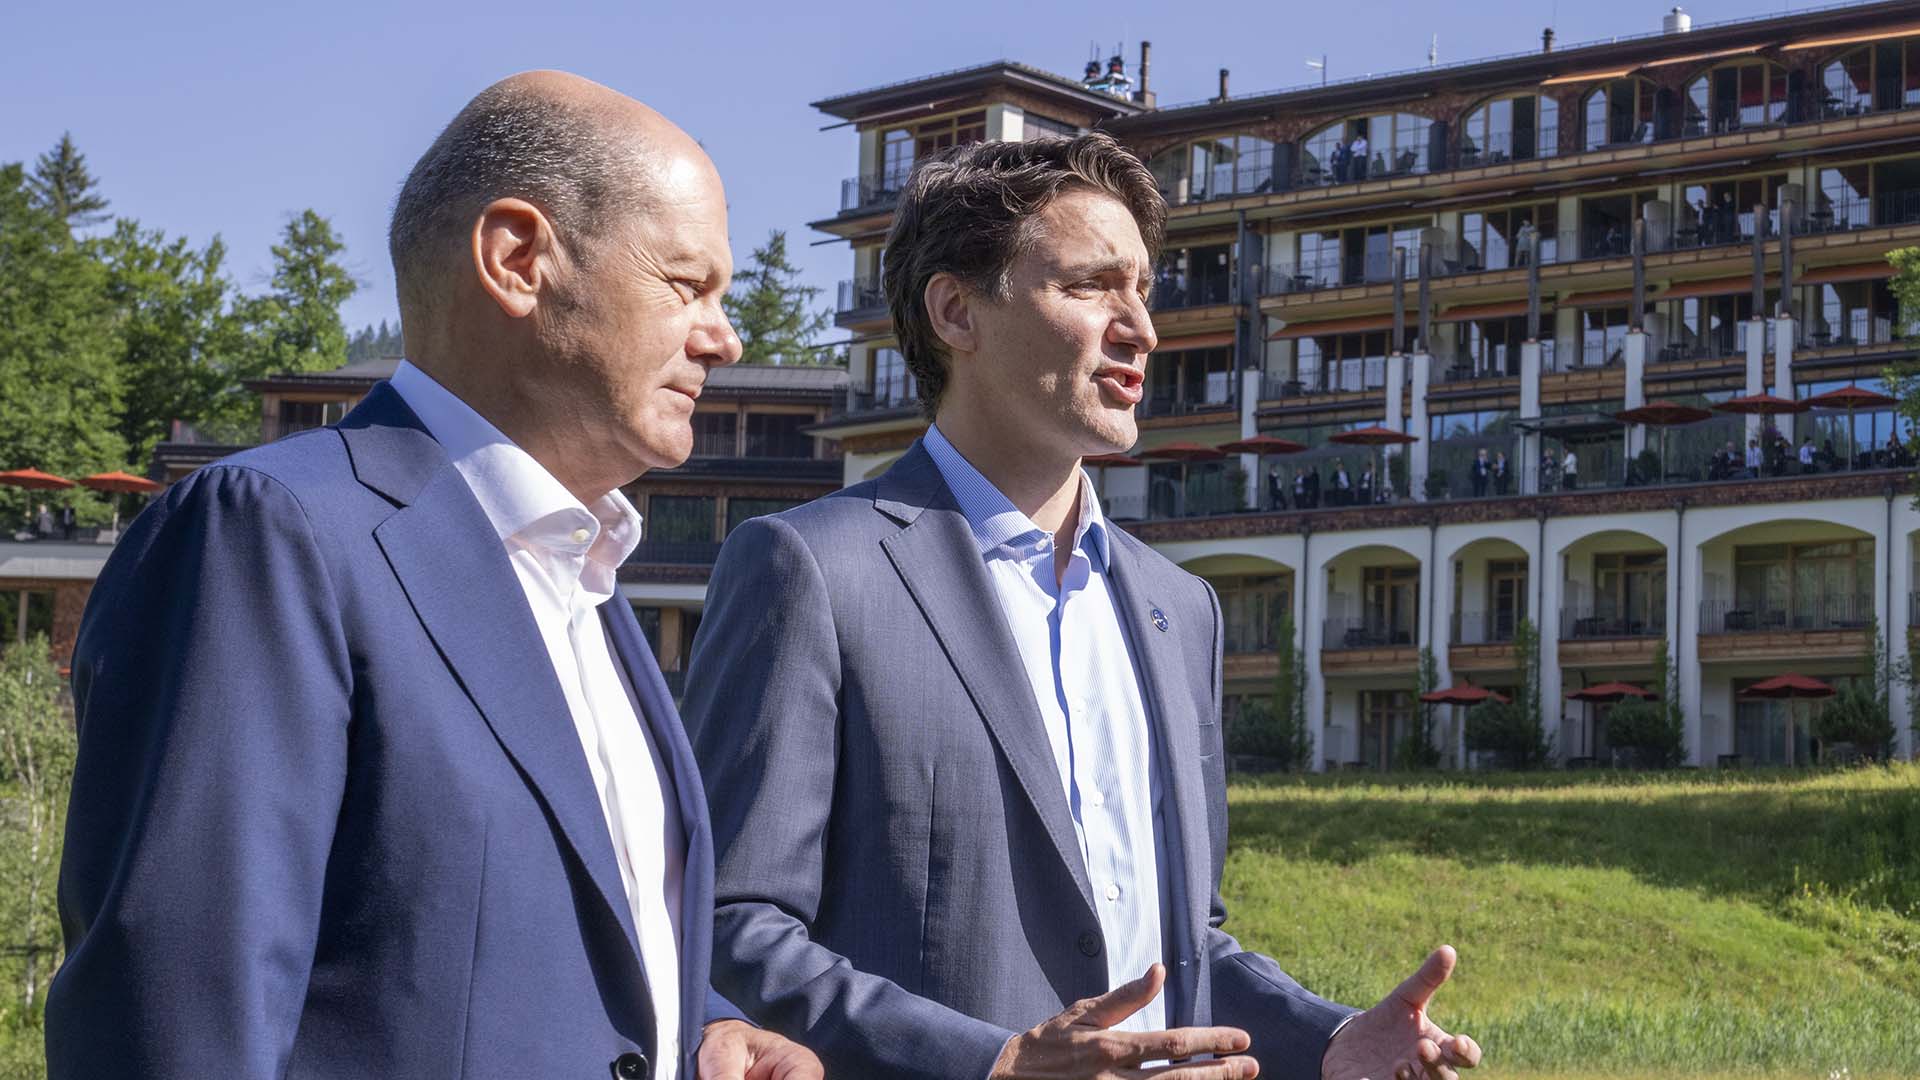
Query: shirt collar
x=522 y=500
x=992 y=517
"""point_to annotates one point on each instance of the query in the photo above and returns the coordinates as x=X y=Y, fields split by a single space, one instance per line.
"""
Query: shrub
x=1653 y=730
x=1855 y=715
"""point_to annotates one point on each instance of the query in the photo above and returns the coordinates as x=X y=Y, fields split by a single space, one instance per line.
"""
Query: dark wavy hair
x=969 y=211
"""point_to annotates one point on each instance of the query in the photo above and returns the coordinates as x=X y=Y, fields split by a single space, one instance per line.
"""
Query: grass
x=1697 y=924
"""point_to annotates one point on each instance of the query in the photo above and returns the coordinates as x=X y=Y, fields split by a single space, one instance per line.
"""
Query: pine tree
x=297 y=326
x=772 y=311
x=63 y=187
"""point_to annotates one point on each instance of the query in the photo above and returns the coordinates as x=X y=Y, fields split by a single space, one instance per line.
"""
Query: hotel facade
x=1500 y=257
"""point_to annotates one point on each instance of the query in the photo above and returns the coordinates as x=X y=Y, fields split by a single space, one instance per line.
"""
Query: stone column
x=1783 y=370
x=1250 y=380
x=1756 y=371
x=1636 y=388
x=1528 y=467
x=1417 y=453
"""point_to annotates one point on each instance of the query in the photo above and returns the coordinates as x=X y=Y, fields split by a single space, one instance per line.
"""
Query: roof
x=777 y=377
x=918 y=90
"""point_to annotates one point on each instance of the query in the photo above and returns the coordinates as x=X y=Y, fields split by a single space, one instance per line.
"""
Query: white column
x=1249 y=427
x=1438 y=579
x=1006 y=123
x=1396 y=391
x=1783 y=370
x=1529 y=450
x=1313 y=575
x=1900 y=554
x=1636 y=388
x=1756 y=370
x=1546 y=625
x=1418 y=427
x=1683 y=628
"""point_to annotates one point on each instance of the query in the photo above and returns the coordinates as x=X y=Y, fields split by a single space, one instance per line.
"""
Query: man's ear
x=950 y=311
x=513 y=254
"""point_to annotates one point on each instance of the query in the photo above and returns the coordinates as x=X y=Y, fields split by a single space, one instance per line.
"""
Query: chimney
x=1546 y=40
x=1223 y=85
x=1144 y=95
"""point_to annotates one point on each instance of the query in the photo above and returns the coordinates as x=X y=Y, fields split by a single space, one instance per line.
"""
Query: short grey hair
x=511 y=143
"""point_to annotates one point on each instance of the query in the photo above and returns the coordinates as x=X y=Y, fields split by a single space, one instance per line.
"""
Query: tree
x=1514 y=729
x=372 y=344
x=771 y=310
x=63 y=187
x=1903 y=376
x=37 y=749
x=59 y=383
x=181 y=342
x=1277 y=727
x=1417 y=749
x=296 y=327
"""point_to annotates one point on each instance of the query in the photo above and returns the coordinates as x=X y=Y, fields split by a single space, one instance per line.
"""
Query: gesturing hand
x=1394 y=1040
x=735 y=1050
x=1076 y=1044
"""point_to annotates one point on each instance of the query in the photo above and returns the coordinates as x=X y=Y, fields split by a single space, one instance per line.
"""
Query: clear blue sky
x=204 y=118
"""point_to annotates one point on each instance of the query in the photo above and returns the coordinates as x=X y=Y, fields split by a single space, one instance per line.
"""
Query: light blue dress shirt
x=1087 y=686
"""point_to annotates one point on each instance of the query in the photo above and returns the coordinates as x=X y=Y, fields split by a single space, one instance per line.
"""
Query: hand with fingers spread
x=1395 y=1040
x=1078 y=1045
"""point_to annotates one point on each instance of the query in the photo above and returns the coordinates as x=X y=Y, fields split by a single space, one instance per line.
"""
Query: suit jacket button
x=631 y=1067
x=1090 y=943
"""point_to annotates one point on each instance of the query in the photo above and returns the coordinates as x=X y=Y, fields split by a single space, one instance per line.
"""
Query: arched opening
x=1370 y=147
x=1216 y=167
x=1491 y=584
x=1516 y=128
x=1872 y=78
x=1621 y=113
x=1612 y=618
x=1729 y=97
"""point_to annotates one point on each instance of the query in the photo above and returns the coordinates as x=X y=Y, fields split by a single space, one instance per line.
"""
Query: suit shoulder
x=306 y=464
x=831 y=516
x=1157 y=568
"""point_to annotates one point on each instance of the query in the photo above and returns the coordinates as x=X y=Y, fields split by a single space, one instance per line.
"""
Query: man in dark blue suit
x=377 y=776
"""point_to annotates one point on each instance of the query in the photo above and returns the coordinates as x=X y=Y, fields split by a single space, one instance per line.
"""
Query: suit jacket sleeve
x=762 y=708
x=1289 y=1025
x=211 y=688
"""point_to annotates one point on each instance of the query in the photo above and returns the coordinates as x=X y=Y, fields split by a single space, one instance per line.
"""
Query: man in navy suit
x=377 y=776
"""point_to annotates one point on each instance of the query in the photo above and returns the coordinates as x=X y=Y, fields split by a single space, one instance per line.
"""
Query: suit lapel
x=938 y=560
x=1160 y=657
x=455 y=573
x=654 y=704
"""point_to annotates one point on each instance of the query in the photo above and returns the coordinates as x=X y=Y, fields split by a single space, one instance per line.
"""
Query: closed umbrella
x=1789 y=688
x=1851 y=398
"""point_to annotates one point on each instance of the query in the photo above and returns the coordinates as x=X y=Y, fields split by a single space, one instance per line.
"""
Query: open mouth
x=1121 y=382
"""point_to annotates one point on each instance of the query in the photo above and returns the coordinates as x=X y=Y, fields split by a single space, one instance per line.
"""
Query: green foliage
x=1645 y=468
x=1417 y=750
x=296 y=327
x=1903 y=375
x=772 y=311
x=1854 y=715
x=1277 y=727
x=64 y=188
x=37 y=750
x=59 y=384
x=1656 y=730
x=1705 y=923
x=181 y=342
x=372 y=344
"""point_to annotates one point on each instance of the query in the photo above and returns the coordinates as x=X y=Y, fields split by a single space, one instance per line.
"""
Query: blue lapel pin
x=1160 y=620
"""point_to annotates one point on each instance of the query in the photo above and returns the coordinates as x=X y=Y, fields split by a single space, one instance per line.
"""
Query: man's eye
x=691 y=289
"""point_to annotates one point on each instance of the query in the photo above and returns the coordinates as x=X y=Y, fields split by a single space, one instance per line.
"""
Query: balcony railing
x=1172 y=294
x=675 y=552
x=1366 y=633
x=867 y=401
x=861 y=296
x=1887 y=208
x=1343 y=376
x=1756 y=616
x=1173 y=405
x=1484 y=627
x=870 y=192
x=1589 y=622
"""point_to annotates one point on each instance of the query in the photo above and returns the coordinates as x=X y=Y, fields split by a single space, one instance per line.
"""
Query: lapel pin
x=1160 y=620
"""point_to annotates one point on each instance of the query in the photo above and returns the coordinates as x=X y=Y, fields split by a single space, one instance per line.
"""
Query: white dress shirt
x=1068 y=633
x=565 y=556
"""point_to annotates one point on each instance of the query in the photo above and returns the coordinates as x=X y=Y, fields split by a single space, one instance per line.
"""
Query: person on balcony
x=1570 y=470
x=1806 y=456
x=1276 y=489
x=1366 y=488
x=1481 y=471
x=1524 y=240
x=1357 y=157
x=1754 y=459
x=1313 y=489
x=43 y=523
x=1299 y=488
x=1502 y=478
x=1342 y=484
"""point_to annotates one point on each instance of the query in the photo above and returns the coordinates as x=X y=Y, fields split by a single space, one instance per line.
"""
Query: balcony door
x=1630 y=591
x=1506 y=597
x=1385 y=716
x=1391 y=599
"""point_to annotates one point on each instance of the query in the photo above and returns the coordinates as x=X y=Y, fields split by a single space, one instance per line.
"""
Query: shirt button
x=1113 y=892
x=581 y=536
x=1097 y=800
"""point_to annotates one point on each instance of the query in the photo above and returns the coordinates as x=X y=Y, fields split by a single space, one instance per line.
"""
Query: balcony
x=1167 y=404
x=1366 y=633
x=1356 y=375
x=1751 y=616
x=861 y=300
x=860 y=193
x=1172 y=294
x=1883 y=210
x=1591 y=623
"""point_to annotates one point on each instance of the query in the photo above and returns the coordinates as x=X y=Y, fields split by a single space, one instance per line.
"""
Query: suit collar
x=390 y=448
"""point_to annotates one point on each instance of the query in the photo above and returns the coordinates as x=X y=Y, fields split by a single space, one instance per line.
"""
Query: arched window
x=1214 y=168
x=1735 y=96
x=1620 y=113
x=1169 y=169
x=1368 y=147
x=1872 y=78
x=1510 y=128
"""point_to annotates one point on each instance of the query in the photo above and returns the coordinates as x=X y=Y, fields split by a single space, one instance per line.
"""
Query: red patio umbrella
x=34 y=480
x=1663 y=415
x=1851 y=398
x=1461 y=694
x=1122 y=461
x=1263 y=444
x=1374 y=436
x=1608 y=693
x=118 y=483
x=1761 y=405
x=1183 y=451
x=1789 y=687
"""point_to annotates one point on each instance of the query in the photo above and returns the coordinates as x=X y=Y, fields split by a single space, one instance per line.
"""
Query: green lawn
x=1698 y=924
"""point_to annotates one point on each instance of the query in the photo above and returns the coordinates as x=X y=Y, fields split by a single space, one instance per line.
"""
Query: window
x=778 y=435
x=1339 y=362
x=739 y=510
x=713 y=434
x=1496 y=239
x=298 y=416
x=1189 y=380
x=1390 y=598
x=1606 y=223
x=1603 y=336
x=937 y=135
x=1251 y=608
x=649 y=625
x=1734 y=96
x=1722 y=212
x=1192 y=277
x=1396 y=144
x=1620 y=113
x=896 y=159
x=1045 y=127
x=1629 y=594
x=25 y=613
x=1385 y=716
x=1801 y=586
x=680 y=519
x=893 y=384
x=1872 y=78
x=1506 y=597
x=1514 y=128
x=1231 y=165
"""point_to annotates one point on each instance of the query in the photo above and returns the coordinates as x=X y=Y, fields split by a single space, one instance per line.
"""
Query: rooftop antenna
x=1322 y=65
x=1433 y=52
